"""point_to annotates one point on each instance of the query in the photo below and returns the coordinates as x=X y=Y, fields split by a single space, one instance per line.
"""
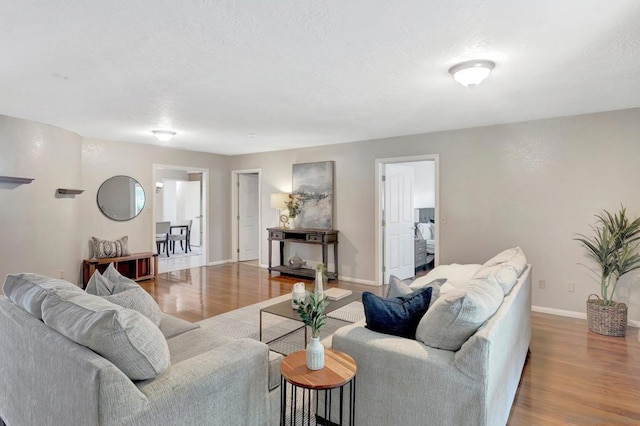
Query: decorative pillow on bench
x=124 y=292
x=398 y=316
x=104 y=248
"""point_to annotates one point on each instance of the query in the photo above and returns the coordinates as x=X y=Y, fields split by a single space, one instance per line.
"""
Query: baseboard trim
x=572 y=314
x=358 y=281
x=342 y=278
x=219 y=262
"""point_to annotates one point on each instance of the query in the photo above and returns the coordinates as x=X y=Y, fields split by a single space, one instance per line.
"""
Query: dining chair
x=162 y=236
x=183 y=236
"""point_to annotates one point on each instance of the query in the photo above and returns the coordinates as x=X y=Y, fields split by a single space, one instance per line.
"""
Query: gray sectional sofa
x=402 y=381
x=49 y=379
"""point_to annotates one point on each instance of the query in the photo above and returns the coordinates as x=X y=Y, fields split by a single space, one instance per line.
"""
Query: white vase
x=315 y=354
x=319 y=278
x=298 y=294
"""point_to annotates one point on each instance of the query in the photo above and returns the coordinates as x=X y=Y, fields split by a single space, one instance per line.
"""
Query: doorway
x=180 y=198
x=407 y=211
x=246 y=227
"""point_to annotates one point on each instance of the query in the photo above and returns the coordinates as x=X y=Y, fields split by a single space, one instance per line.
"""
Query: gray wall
x=533 y=184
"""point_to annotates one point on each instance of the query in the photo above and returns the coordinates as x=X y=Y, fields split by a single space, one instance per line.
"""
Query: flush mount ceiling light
x=471 y=73
x=163 y=135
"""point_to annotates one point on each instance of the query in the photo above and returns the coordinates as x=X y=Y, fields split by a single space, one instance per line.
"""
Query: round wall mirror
x=121 y=198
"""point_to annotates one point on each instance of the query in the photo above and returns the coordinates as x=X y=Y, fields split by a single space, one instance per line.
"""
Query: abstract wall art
x=313 y=188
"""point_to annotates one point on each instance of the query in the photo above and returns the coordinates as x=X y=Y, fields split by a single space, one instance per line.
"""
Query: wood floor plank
x=572 y=376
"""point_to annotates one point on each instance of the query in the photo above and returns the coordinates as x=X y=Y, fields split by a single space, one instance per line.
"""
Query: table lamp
x=279 y=201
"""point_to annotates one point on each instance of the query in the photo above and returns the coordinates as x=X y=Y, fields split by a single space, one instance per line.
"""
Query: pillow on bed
x=426 y=231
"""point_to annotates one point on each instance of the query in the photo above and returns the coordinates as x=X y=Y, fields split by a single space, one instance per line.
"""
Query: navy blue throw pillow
x=398 y=316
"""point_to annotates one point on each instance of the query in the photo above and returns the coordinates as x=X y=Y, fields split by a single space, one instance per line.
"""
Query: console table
x=137 y=266
x=323 y=237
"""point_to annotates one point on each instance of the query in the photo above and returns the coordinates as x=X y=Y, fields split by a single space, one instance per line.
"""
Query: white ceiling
x=300 y=73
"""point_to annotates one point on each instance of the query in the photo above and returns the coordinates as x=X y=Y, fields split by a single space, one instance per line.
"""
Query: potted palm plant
x=613 y=248
x=312 y=312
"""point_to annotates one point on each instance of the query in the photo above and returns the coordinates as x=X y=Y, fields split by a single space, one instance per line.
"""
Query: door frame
x=379 y=196
x=235 y=243
x=204 y=243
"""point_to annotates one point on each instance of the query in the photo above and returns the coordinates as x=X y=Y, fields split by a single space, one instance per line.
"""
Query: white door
x=398 y=216
x=248 y=233
x=193 y=210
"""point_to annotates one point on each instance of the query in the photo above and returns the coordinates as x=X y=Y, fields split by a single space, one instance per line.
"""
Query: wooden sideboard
x=137 y=266
x=323 y=237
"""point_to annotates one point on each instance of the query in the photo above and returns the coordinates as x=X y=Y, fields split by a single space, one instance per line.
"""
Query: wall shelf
x=13 y=179
x=67 y=191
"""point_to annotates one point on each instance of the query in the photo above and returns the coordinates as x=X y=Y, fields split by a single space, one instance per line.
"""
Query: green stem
x=613 y=291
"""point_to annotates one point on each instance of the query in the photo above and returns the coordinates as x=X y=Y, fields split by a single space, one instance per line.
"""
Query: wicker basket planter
x=607 y=320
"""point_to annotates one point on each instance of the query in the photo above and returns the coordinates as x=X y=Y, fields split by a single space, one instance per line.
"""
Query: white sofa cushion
x=514 y=257
x=125 y=292
x=457 y=275
x=456 y=315
x=29 y=290
x=504 y=274
x=123 y=336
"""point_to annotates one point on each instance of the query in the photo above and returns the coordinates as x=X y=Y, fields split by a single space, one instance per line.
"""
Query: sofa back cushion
x=124 y=292
x=504 y=274
x=398 y=316
x=29 y=290
x=456 y=315
x=513 y=257
x=123 y=336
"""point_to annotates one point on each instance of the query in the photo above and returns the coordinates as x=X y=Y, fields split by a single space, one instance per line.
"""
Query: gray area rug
x=245 y=322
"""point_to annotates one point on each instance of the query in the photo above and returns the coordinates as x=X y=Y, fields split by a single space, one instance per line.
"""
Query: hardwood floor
x=572 y=377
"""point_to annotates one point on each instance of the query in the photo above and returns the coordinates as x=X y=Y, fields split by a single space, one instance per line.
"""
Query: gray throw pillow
x=456 y=315
x=123 y=336
x=398 y=287
x=124 y=292
x=29 y=290
x=104 y=248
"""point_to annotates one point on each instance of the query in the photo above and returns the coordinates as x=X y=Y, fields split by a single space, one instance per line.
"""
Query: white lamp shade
x=279 y=200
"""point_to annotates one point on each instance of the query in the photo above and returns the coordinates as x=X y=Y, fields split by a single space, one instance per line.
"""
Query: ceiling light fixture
x=163 y=135
x=471 y=73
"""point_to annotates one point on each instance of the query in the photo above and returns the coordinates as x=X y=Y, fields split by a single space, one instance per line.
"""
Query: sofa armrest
x=228 y=383
x=396 y=373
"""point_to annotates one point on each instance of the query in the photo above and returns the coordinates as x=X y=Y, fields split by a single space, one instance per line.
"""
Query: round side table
x=339 y=370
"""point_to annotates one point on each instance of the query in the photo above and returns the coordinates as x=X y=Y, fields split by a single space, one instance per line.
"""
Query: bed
x=425 y=231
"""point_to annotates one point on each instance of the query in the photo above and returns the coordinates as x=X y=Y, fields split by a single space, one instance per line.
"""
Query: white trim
x=379 y=166
x=359 y=281
x=572 y=314
x=204 y=244
x=220 y=262
x=234 y=212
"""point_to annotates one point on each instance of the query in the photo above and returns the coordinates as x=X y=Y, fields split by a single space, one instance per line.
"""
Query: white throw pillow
x=513 y=256
x=123 y=336
x=456 y=315
x=456 y=275
x=504 y=274
x=124 y=292
x=29 y=290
